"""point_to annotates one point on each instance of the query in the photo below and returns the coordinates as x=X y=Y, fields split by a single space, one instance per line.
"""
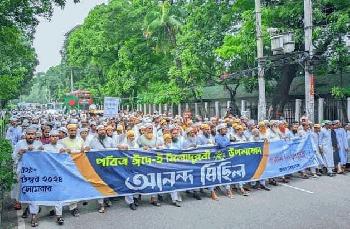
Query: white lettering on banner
x=152 y=180
x=224 y=171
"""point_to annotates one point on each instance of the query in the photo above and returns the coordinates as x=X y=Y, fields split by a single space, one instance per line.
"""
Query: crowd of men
x=82 y=132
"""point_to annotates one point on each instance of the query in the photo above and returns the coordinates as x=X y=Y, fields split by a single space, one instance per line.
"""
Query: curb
x=1 y=210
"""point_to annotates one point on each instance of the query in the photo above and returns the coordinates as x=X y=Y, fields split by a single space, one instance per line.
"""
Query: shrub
x=7 y=175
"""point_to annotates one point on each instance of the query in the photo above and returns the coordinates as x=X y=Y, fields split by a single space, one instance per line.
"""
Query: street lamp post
x=309 y=78
x=260 y=55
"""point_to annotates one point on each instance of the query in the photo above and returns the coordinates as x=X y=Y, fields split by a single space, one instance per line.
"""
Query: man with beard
x=131 y=140
x=347 y=127
x=55 y=147
x=191 y=141
x=303 y=131
x=14 y=132
x=315 y=138
x=73 y=144
x=264 y=135
x=283 y=129
x=326 y=147
x=109 y=131
x=99 y=142
x=147 y=142
x=119 y=137
x=131 y=143
x=293 y=133
x=240 y=137
x=274 y=131
x=27 y=144
x=343 y=145
x=222 y=141
x=147 y=139
x=177 y=139
x=205 y=138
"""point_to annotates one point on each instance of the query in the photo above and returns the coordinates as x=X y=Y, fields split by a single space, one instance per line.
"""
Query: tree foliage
x=18 y=20
x=7 y=176
x=169 y=51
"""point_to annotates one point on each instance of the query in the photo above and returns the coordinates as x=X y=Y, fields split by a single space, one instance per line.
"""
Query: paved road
x=312 y=203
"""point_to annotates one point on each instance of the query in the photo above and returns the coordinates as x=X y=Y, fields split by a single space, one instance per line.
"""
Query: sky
x=49 y=37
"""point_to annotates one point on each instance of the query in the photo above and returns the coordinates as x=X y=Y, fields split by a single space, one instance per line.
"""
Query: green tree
x=286 y=15
x=18 y=20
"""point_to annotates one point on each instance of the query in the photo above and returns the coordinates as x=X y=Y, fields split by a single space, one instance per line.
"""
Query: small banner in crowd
x=111 y=106
x=48 y=178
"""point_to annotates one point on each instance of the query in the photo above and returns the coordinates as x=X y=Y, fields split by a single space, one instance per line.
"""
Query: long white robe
x=325 y=143
x=343 y=145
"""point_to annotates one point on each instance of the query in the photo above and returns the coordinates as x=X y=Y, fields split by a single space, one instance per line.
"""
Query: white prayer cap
x=54 y=133
x=63 y=129
x=100 y=127
x=148 y=125
x=221 y=126
x=84 y=130
x=30 y=130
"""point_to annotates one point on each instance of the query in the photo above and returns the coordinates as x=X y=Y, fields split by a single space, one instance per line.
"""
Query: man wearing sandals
x=73 y=144
x=222 y=141
x=326 y=147
x=26 y=145
x=99 y=142
x=55 y=147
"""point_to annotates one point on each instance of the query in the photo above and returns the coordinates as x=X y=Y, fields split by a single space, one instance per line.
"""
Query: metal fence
x=332 y=109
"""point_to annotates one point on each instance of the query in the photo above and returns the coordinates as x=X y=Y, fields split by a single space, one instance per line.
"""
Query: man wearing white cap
x=326 y=148
x=24 y=146
x=343 y=145
x=73 y=144
x=148 y=141
x=99 y=142
x=119 y=138
x=191 y=141
x=222 y=141
x=55 y=147
x=205 y=137
x=316 y=143
x=347 y=127
x=13 y=133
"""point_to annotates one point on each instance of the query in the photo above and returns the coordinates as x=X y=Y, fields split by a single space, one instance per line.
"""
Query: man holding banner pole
x=99 y=142
x=23 y=146
x=73 y=144
x=55 y=147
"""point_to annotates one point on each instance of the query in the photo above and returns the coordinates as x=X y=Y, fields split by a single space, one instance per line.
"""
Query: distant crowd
x=82 y=132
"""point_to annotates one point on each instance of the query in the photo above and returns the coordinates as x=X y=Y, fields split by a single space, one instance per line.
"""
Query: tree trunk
x=343 y=100
x=281 y=94
x=233 y=92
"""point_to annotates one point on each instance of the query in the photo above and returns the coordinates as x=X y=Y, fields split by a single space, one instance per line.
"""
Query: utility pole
x=261 y=62
x=71 y=80
x=309 y=78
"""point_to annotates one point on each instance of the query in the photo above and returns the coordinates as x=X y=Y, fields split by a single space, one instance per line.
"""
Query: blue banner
x=48 y=178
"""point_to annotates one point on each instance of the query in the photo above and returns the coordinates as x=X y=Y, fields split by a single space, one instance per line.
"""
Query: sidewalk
x=8 y=216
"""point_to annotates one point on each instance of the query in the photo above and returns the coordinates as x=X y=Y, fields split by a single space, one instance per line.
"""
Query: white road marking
x=296 y=188
x=20 y=220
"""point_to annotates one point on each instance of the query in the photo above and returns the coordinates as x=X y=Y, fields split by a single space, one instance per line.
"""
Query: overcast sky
x=49 y=37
